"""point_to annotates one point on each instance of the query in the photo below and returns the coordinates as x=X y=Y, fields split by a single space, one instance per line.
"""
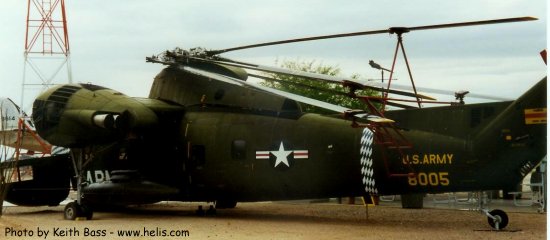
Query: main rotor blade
x=270 y=79
x=334 y=92
x=446 y=92
x=216 y=52
x=389 y=30
x=298 y=98
x=474 y=23
x=391 y=103
x=313 y=76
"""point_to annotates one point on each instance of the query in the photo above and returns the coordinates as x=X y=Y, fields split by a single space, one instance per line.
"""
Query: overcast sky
x=109 y=40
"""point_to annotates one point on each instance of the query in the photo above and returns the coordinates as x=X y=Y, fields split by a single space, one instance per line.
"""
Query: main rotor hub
x=399 y=30
x=179 y=56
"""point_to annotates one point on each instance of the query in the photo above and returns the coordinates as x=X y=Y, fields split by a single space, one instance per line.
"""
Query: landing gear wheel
x=72 y=211
x=500 y=220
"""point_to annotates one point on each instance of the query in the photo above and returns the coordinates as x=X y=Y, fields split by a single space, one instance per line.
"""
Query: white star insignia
x=281 y=156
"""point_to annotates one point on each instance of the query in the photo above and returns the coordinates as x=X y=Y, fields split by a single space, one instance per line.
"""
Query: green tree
x=320 y=90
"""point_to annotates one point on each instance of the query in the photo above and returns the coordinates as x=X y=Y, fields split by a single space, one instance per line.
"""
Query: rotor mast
x=399 y=32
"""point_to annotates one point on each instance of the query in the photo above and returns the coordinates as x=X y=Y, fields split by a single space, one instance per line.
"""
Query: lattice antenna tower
x=47 y=50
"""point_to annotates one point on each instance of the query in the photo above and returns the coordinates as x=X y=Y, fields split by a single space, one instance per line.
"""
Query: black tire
x=72 y=211
x=500 y=215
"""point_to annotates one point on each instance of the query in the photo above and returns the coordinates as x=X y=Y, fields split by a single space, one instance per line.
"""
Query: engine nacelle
x=92 y=118
x=75 y=115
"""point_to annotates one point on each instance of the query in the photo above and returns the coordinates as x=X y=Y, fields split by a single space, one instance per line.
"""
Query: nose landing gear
x=73 y=210
x=76 y=210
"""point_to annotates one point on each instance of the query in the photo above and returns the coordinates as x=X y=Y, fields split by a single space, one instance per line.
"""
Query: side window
x=238 y=150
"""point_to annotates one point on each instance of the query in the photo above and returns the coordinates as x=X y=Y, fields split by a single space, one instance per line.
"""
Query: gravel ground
x=268 y=221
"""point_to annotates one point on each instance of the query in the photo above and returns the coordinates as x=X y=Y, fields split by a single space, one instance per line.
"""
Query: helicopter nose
x=48 y=107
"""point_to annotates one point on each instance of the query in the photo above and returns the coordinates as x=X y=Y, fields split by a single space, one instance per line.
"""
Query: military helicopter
x=206 y=134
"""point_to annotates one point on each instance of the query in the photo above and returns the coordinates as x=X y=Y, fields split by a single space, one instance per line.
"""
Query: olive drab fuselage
x=197 y=139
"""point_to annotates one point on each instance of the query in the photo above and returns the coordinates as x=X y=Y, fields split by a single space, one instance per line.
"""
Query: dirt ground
x=267 y=221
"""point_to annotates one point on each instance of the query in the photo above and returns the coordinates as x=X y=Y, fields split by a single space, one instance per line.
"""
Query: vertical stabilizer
x=515 y=141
